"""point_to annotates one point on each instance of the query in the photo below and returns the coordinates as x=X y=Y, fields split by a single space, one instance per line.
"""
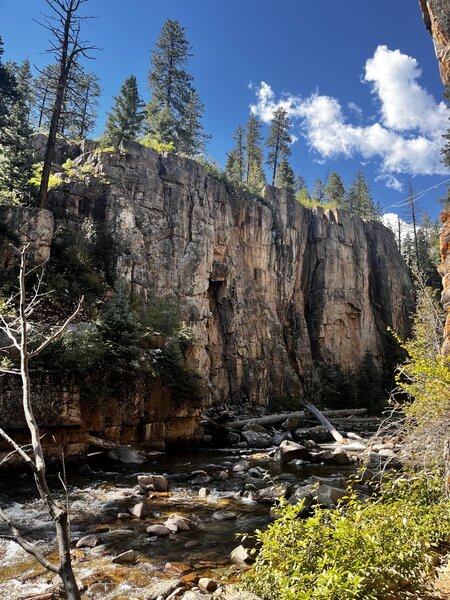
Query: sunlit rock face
x=436 y=16
x=267 y=286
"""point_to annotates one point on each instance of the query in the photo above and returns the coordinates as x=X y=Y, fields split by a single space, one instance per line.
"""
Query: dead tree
x=65 y=26
x=15 y=326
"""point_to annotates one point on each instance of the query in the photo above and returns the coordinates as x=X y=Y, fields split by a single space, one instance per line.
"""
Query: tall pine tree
x=285 y=178
x=174 y=111
x=254 y=176
x=125 y=120
x=235 y=165
x=334 y=190
x=279 y=140
x=359 y=200
x=15 y=143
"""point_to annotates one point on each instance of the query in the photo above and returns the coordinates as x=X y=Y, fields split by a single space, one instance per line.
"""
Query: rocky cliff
x=267 y=286
x=436 y=16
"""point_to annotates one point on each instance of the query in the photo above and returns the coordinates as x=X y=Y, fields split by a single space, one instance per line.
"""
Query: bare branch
x=20 y=450
x=30 y=548
x=58 y=332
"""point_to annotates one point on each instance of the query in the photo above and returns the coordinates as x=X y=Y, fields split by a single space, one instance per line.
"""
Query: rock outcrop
x=267 y=286
x=436 y=16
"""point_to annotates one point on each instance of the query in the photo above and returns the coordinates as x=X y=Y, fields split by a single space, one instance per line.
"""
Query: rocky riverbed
x=169 y=528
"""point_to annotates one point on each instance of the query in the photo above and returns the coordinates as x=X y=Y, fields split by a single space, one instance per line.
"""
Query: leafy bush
x=35 y=179
x=372 y=550
x=150 y=142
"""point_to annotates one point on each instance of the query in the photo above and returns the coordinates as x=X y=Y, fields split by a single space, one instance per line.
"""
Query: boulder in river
x=89 y=541
x=158 y=531
x=241 y=557
x=181 y=523
x=207 y=585
x=126 y=558
x=161 y=588
x=329 y=496
x=127 y=455
x=140 y=510
x=288 y=451
x=268 y=495
x=224 y=515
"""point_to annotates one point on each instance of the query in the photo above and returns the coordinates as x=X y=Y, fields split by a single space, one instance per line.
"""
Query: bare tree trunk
x=18 y=335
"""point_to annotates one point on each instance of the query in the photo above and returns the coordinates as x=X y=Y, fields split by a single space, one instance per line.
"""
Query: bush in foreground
x=364 y=550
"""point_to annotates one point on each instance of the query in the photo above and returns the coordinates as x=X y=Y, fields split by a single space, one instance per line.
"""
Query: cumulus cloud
x=391 y=220
x=406 y=137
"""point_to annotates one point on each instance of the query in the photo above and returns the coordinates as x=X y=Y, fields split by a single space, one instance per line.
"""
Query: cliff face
x=436 y=16
x=267 y=285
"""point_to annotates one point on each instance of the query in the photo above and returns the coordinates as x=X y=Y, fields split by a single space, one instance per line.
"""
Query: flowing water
x=96 y=499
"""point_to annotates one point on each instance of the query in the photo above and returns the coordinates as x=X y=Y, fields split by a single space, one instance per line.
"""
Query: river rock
x=288 y=451
x=177 y=594
x=329 y=496
x=315 y=434
x=340 y=457
x=224 y=515
x=207 y=585
x=89 y=541
x=280 y=436
x=203 y=493
x=123 y=516
x=241 y=557
x=201 y=480
x=126 y=455
x=337 y=481
x=160 y=483
x=140 y=510
x=126 y=558
x=158 y=531
x=269 y=494
x=180 y=523
x=161 y=588
x=195 y=595
x=116 y=535
x=255 y=439
x=145 y=481
x=241 y=466
x=291 y=423
x=179 y=568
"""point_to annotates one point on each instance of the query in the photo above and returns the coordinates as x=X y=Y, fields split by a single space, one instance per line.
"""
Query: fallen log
x=326 y=423
x=270 y=420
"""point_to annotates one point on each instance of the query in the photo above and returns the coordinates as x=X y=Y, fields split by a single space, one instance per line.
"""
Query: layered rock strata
x=267 y=286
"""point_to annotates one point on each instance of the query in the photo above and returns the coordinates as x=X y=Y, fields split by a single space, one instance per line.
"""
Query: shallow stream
x=96 y=498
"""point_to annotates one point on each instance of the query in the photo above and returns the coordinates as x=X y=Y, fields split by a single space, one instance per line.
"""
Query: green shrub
x=161 y=315
x=372 y=550
x=150 y=142
x=184 y=382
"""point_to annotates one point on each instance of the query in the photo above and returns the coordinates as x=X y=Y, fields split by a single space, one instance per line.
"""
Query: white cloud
x=391 y=220
x=407 y=137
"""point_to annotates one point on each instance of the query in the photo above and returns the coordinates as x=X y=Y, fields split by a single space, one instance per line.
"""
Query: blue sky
x=359 y=79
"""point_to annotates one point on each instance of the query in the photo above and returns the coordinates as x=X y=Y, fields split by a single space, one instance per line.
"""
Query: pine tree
x=25 y=85
x=285 y=178
x=173 y=93
x=300 y=183
x=192 y=138
x=254 y=177
x=125 y=120
x=15 y=144
x=84 y=105
x=278 y=140
x=318 y=192
x=235 y=165
x=358 y=200
x=334 y=190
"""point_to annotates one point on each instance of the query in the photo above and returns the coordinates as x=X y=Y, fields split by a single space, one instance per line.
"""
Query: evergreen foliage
x=285 y=178
x=334 y=189
x=174 y=111
x=300 y=183
x=254 y=177
x=279 y=140
x=15 y=144
x=125 y=120
x=318 y=192
x=235 y=165
x=359 y=200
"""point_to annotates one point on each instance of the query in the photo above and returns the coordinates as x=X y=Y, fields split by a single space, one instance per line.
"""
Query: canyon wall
x=267 y=285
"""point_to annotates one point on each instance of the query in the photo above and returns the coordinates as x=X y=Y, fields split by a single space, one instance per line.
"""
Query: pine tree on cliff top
x=235 y=166
x=334 y=189
x=125 y=120
x=279 y=140
x=173 y=93
x=359 y=200
x=285 y=178
x=254 y=176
